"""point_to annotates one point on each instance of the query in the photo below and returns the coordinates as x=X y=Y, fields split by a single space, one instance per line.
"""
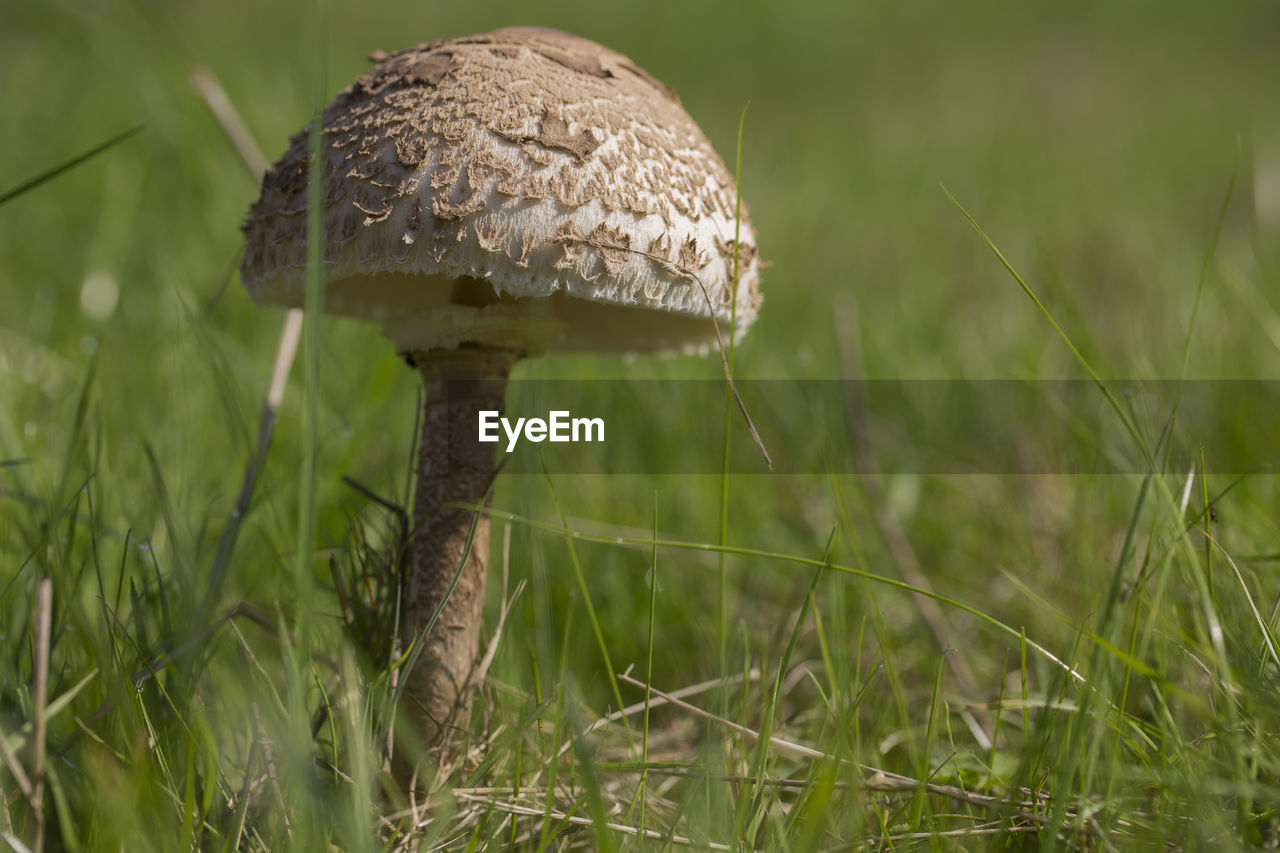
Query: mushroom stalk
x=454 y=467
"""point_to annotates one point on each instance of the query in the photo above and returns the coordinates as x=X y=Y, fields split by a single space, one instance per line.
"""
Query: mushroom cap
x=525 y=189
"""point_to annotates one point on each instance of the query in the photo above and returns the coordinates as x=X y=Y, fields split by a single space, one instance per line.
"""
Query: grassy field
x=873 y=656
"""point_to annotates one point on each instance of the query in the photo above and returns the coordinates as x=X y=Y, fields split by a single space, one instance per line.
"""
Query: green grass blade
x=586 y=762
x=722 y=602
x=759 y=763
x=648 y=665
x=44 y=177
x=312 y=313
x=1129 y=426
x=581 y=580
x=1209 y=258
x=579 y=536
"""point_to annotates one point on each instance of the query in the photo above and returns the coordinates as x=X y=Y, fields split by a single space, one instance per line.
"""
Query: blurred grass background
x=1094 y=144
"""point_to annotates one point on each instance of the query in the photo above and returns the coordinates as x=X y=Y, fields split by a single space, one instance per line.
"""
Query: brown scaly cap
x=521 y=163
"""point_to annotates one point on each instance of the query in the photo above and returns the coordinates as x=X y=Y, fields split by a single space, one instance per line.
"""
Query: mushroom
x=489 y=198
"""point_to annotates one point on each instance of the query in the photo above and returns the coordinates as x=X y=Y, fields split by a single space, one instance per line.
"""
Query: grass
x=837 y=658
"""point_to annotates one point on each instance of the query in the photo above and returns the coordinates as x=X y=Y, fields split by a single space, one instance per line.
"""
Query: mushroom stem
x=453 y=467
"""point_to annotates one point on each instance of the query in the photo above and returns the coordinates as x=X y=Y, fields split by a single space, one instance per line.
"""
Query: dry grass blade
x=782 y=745
x=482 y=669
x=734 y=778
x=242 y=799
x=877 y=841
x=269 y=763
x=576 y=820
x=215 y=98
x=40 y=698
x=659 y=700
x=728 y=375
x=876 y=779
x=286 y=349
x=15 y=767
x=1264 y=625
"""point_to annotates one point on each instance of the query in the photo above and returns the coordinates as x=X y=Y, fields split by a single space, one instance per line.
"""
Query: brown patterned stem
x=453 y=467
